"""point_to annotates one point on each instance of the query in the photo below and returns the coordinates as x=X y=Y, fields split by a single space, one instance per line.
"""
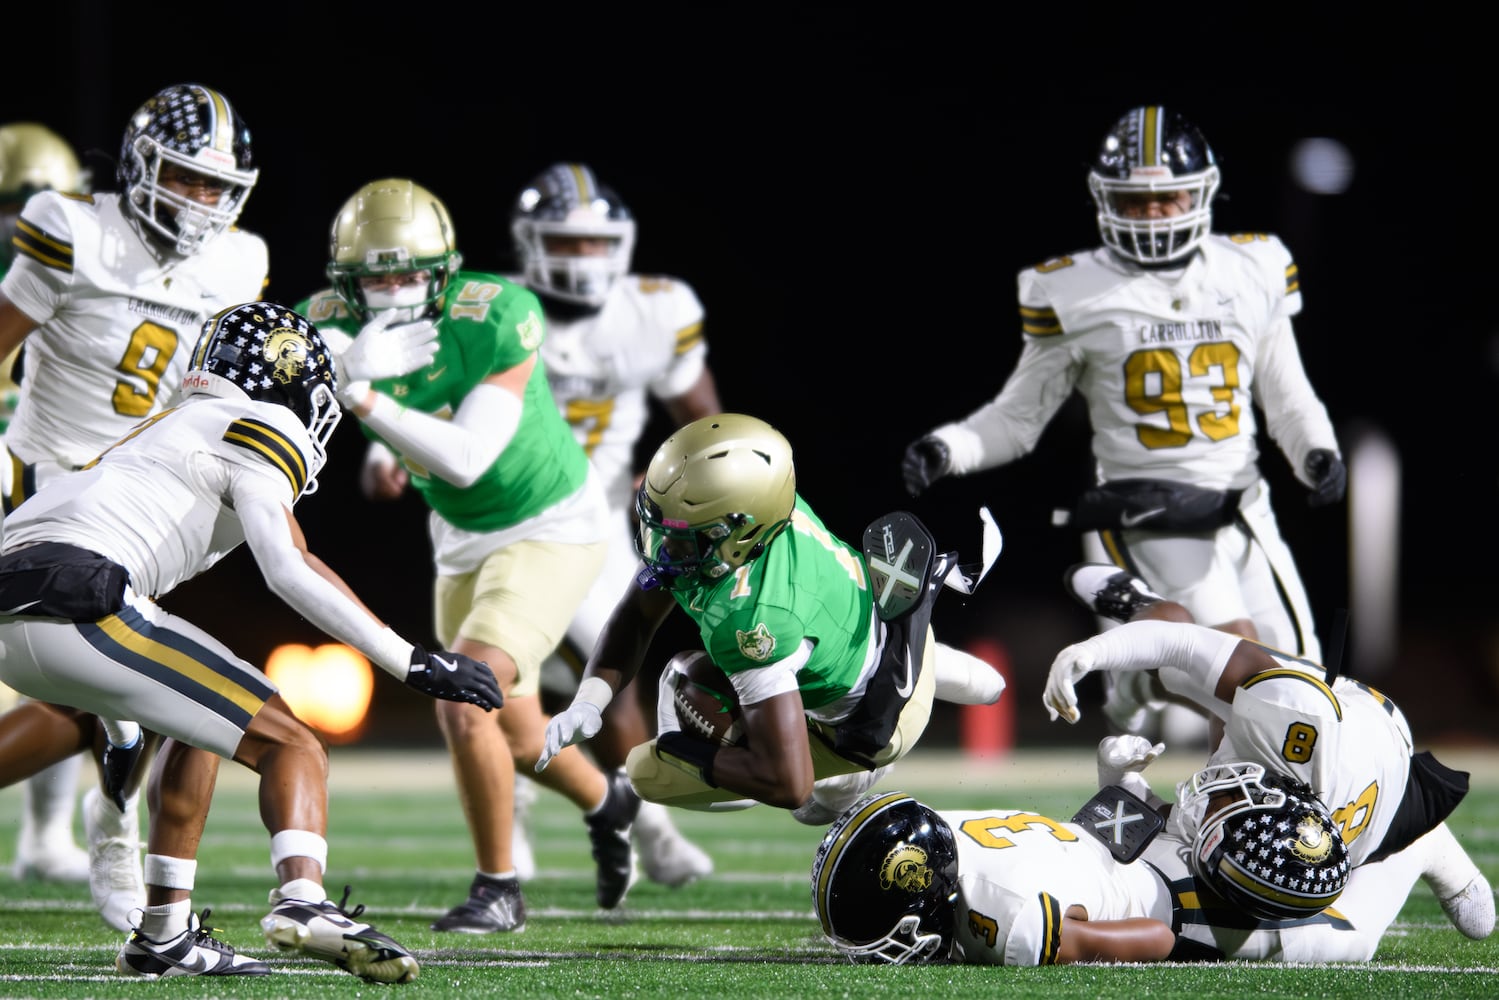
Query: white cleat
x=59 y=860
x=1463 y=891
x=1471 y=910
x=115 y=880
x=667 y=857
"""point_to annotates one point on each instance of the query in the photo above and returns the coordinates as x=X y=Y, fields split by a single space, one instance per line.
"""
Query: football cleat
x=329 y=931
x=1107 y=590
x=668 y=858
x=831 y=796
x=115 y=879
x=1471 y=910
x=194 y=952
x=60 y=860
x=1459 y=886
x=609 y=832
x=493 y=906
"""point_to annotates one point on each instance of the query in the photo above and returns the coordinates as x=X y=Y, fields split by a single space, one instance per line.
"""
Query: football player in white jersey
x=1173 y=335
x=897 y=882
x=86 y=561
x=34 y=158
x=107 y=292
x=1345 y=740
x=615 y=340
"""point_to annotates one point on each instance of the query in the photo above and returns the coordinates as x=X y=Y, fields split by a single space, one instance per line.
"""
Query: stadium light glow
x=329 y=687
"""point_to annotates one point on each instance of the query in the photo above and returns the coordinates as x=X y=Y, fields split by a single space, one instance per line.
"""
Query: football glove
x=1071 y=665
x=581 y=721
x=384 y=349
x=454 y=677
x=1329 y=477
x=1121 y=755
x=925 y=462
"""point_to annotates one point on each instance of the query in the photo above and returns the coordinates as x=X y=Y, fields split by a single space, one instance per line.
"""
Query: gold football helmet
x=34 y=158
x=392 y=226
x=715 y=494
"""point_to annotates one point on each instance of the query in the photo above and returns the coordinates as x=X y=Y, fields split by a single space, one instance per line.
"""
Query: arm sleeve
x=262 y=514
x=1009 y=426
x=457 y=450
x=1188 y=658
x=1294 y=416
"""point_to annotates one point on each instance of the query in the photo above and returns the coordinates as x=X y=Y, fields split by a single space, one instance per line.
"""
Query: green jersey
x=808 y=584
x=487 y=325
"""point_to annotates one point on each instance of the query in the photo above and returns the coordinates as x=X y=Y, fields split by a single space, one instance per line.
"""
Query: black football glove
x=925 y=462
x=454 y=677
x=1329 y=477
x=118 y=765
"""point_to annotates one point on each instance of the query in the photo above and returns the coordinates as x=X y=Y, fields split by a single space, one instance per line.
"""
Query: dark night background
x=851 y=194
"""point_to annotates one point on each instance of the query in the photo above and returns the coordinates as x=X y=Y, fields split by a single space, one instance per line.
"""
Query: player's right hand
x=925 y=462
x=581 y=721
x=385 y=349
x=1071 y=665
x=1121 y=755
x=454 y=677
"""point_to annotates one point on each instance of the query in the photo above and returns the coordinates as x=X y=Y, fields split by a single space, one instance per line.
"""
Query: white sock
x=304 y=889
x=164 y=922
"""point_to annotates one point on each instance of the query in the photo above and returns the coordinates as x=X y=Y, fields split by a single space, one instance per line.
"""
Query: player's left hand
x=1071 y=665
x=1329 y=477
x=581 y=721
x=924 y=462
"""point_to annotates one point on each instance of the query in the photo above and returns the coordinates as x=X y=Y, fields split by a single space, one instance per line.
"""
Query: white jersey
x=647 y=338
x=115 y=321
x=1348 y=742
x=1169 y=363
x=1019 y=871
x=156 y=507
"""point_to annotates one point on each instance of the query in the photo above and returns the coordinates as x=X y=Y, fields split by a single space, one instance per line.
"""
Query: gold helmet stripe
x=835 y=852
x=221 y=127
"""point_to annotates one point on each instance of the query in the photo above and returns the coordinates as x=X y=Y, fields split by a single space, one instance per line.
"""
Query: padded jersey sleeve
x=42 y=271
x=678 y=312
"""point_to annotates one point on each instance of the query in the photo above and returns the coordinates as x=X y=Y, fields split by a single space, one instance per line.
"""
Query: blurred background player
x=34 y=158
x=614 y=341
x=108 y=291
x=1172 y=334
x=518 y=521
x=90 y=556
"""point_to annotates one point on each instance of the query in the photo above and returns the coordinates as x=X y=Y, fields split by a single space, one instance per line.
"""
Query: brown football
x=706 y=704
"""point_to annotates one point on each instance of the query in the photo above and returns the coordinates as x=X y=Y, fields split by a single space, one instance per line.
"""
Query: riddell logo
x=194 y=380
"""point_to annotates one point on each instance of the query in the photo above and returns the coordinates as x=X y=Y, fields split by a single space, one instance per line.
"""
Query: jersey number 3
x=1153 y=380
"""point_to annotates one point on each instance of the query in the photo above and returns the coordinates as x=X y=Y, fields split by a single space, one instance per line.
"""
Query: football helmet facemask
x=273 y=354
x=563 y=205
x=1262 y=841
x=196 y=129
x=885 y=882
x=389 y=227
x=714 y=495
x=1150 y=155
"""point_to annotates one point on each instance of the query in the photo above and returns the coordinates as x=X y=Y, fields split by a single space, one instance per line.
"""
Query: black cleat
x=609 y=832
x=493 y=905
x=1109 y=591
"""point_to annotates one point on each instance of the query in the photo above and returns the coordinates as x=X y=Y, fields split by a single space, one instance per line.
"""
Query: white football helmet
x=562 y=205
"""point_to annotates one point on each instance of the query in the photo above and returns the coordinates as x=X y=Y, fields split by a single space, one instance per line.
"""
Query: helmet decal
x=286 y=351
x=906 y=868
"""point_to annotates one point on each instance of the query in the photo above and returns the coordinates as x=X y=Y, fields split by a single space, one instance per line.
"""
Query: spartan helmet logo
x=1312 y=844
x=906 y=868
x=286 y=352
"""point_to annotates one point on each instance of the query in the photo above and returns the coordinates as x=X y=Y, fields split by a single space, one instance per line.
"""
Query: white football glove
x=1121 y=755
x=580 y=722
x=1071 y=665
x=384 y=349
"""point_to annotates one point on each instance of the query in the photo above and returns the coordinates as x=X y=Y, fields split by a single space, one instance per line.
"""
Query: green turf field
x=398 y=838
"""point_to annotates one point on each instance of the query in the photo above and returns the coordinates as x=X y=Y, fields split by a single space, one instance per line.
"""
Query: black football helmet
x=196 y=128
x=714 y=495
x=273 y=354
x=567 y=200
x=885 y=882
x=1262 y=841
x=1151 y=153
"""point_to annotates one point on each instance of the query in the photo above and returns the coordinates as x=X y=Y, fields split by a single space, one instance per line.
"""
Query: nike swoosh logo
x=1130 y=520
x=196 y=963
x=20 y=607
x=905 y=688
x=434 y=376
x=451 y=665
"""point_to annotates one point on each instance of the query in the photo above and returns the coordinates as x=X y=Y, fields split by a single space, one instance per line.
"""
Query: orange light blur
x=329 y=687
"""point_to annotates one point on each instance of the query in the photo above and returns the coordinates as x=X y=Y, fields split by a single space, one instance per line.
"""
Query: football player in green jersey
x=831 y=693
x=518 y=521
